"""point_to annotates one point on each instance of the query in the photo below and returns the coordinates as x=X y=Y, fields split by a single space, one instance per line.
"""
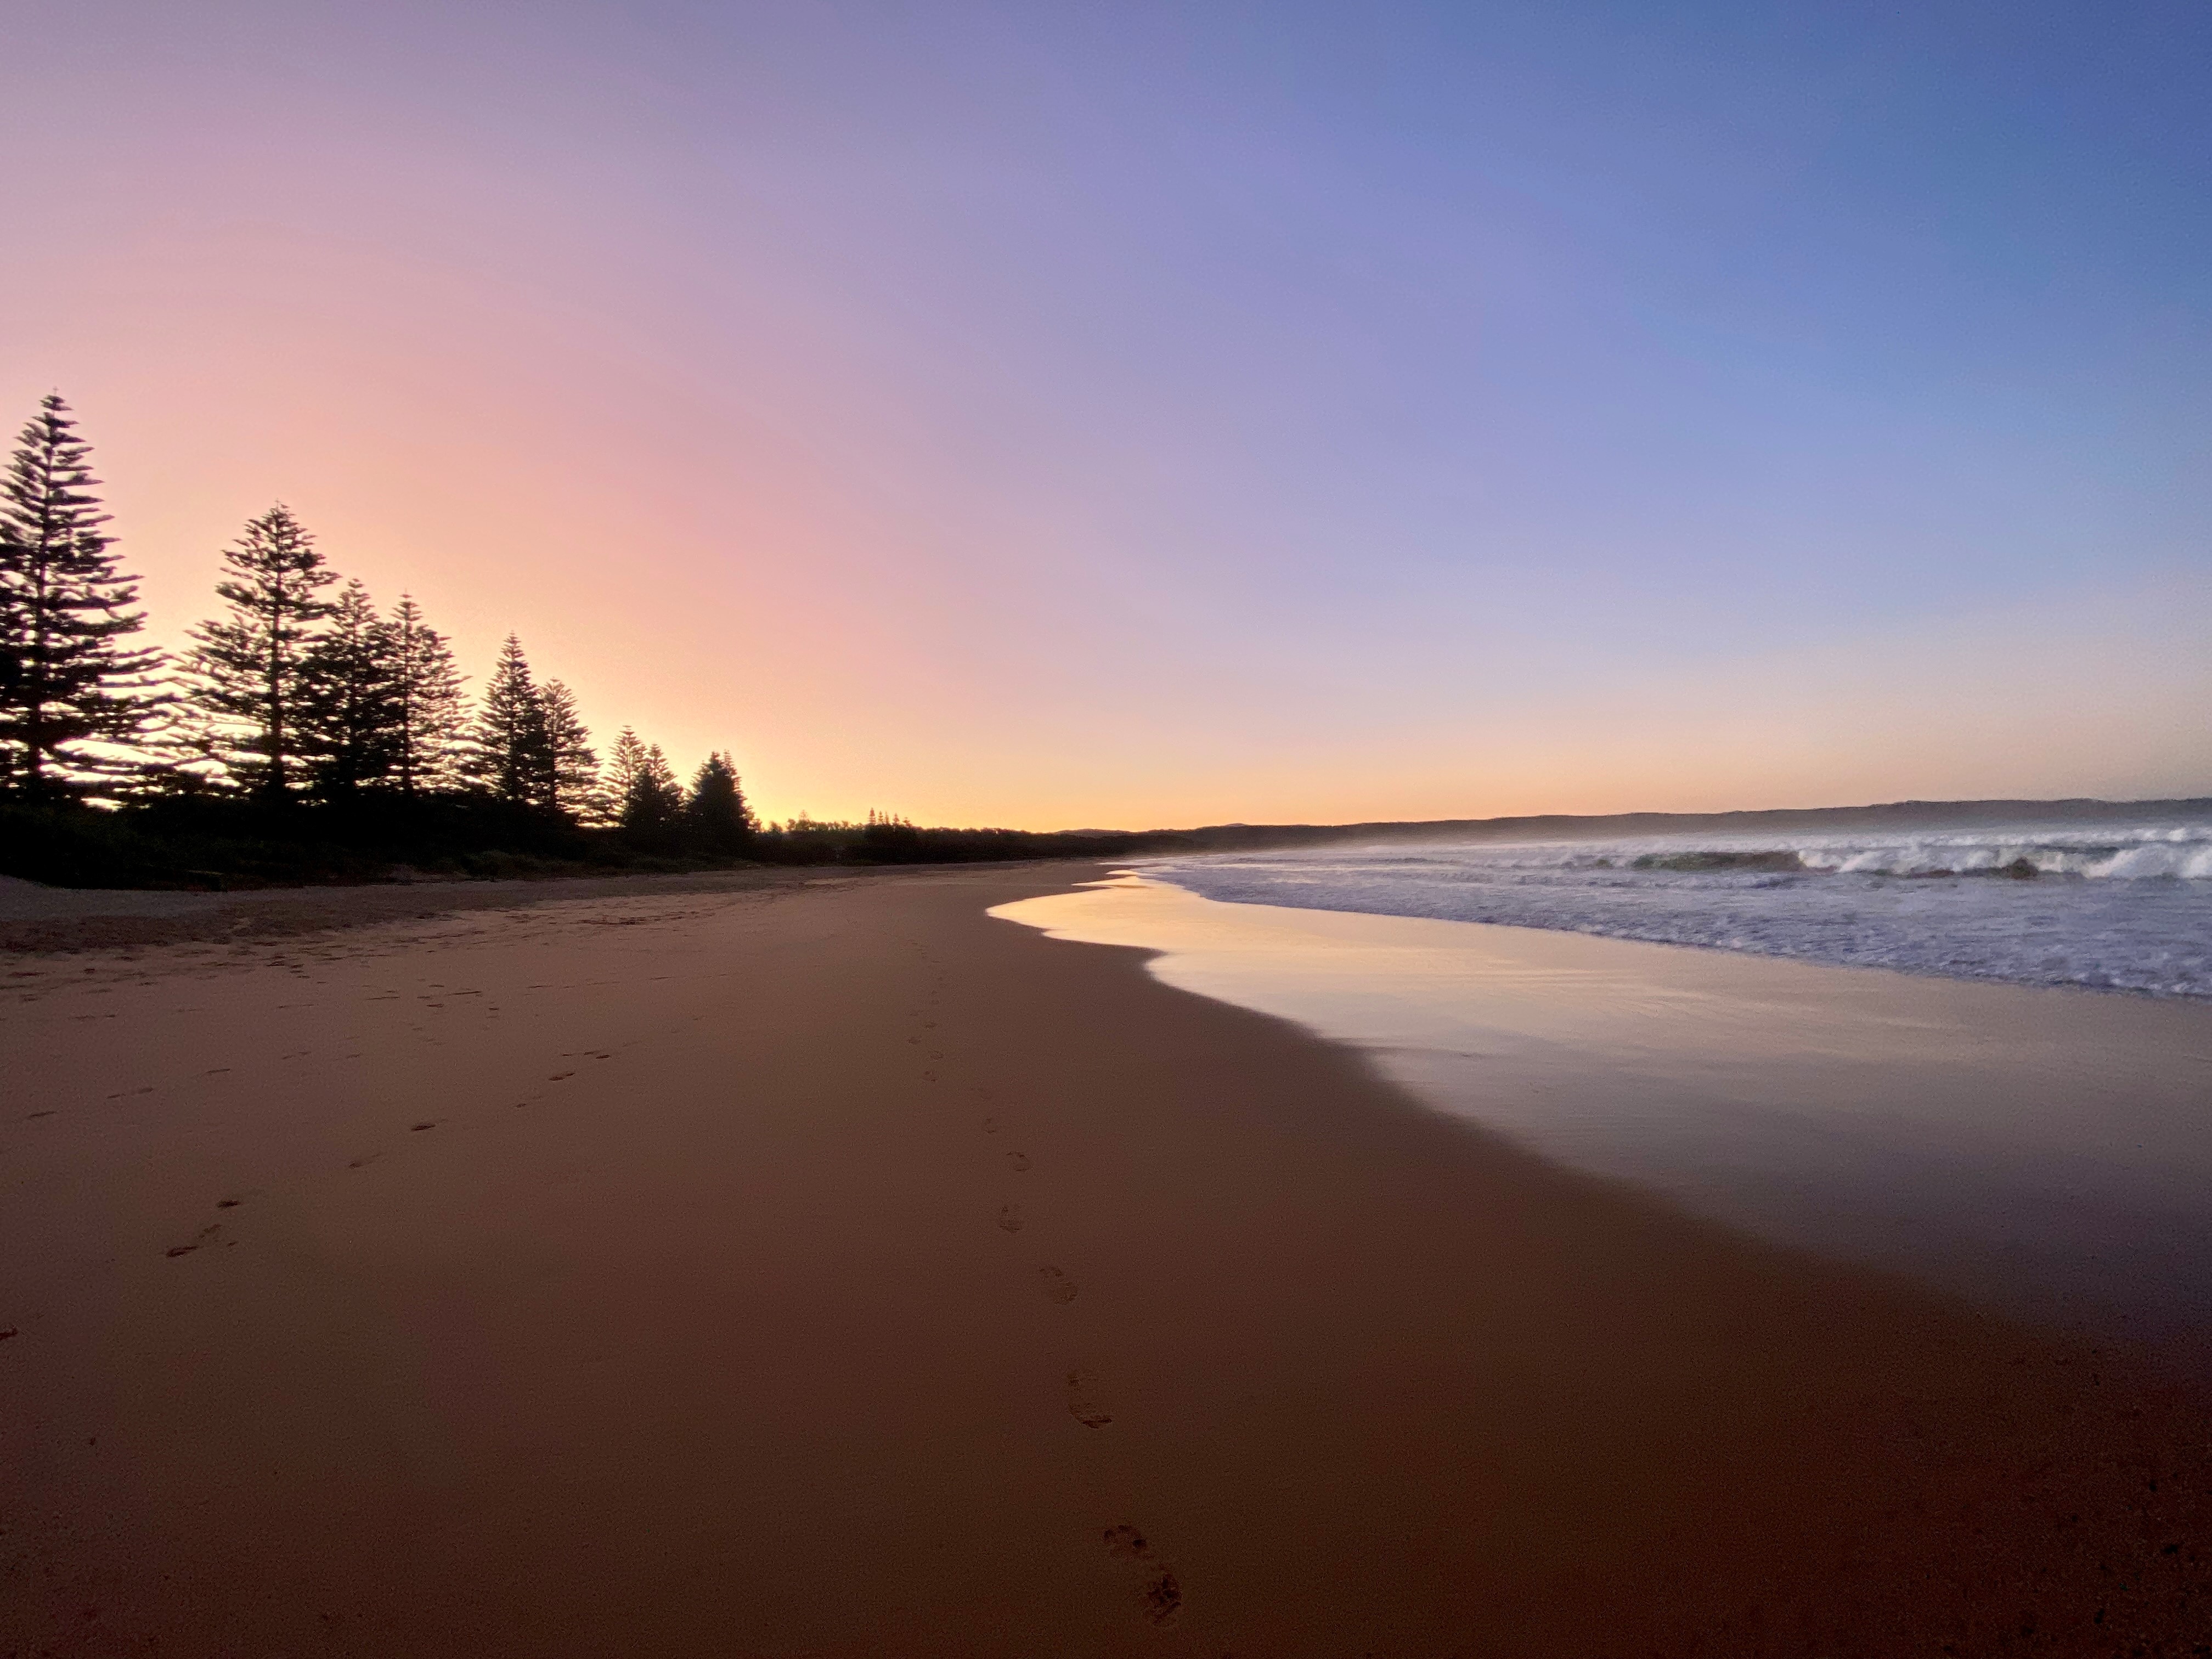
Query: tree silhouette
x=508 y=752
x=66 y=679
x=294 y=689
x=251 y=666
x=427 y=694
x=350 y=716
x=570 y=779
x=653 y=806
x=716 y=813
x=625 y=766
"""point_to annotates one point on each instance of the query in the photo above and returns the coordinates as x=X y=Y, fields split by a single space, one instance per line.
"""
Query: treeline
x=306 y=733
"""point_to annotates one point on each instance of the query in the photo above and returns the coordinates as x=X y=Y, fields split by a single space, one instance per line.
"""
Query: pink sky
x=998 y=439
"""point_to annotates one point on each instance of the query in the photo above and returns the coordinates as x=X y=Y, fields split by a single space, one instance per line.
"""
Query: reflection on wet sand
x=2047 y=1152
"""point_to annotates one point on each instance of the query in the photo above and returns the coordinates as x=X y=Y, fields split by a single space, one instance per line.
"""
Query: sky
x=1136 y=413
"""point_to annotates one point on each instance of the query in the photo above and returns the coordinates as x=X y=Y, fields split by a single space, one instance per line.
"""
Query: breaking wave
x=2123 y=907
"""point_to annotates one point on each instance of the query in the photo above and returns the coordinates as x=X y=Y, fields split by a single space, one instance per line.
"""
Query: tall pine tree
x=428 y=692
x=625 y=765
x=67 y=679
x=571 y=778
x=651 y=804
x=349 y=720
x=251 y=666
x=510 y=753
x=716 y=813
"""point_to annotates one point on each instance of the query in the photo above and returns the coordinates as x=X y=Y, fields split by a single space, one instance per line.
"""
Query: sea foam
x=2119 y=907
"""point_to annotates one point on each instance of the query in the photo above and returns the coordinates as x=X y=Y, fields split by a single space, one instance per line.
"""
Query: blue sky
x=1143 y=413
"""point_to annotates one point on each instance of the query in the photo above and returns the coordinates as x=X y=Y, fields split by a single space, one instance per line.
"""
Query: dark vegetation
x=219 y=843
x=307 y=735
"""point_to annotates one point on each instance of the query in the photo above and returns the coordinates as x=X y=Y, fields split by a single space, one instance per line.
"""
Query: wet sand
x=834 y=1270
x=2045 y=1151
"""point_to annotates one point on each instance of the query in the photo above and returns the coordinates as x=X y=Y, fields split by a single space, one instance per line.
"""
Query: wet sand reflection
x=2046 y=1151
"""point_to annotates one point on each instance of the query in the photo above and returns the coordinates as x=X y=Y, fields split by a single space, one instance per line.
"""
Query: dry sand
x=829 y=1269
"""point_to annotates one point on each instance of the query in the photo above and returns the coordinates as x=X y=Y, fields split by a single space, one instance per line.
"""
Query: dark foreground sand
x=832 y=1270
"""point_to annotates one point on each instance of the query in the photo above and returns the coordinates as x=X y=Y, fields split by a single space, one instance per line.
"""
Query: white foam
x=2115 y=907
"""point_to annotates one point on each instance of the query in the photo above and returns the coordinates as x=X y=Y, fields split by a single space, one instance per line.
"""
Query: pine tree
x=716 y=813
x=428 y=694
x=571 y=780
x=251 y=666
x=625 y=766
x=350 y=716
x=66 y=678
x=509 y=750
x=653 y=805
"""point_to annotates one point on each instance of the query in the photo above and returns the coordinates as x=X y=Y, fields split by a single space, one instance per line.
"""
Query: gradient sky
x=1056 y=414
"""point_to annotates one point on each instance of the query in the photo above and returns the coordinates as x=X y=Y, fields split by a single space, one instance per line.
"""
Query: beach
x=821 y=1266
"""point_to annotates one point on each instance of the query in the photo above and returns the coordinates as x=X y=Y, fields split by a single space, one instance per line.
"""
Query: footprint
x=1058 y=1286
x=1018 y=1161
x=1161 y=1595
x=208 y=1235
x=1010 y=1217
x=990 y=1125
x=227 y=1203
x=1084 y=1410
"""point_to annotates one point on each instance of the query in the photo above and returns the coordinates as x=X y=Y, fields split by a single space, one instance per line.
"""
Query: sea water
x=2033 y=1146
x=2112 y=907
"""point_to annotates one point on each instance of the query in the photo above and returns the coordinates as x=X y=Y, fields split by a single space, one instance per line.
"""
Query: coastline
x=826 y=1269
x=2043 y=1150
x=2125 y=908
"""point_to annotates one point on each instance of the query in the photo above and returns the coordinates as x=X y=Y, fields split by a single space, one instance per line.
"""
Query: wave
x=2116 y=907
x=2182 y=853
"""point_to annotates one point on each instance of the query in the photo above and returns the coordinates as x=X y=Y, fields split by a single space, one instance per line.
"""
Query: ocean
x=2121 y=906
x=2022 y=1116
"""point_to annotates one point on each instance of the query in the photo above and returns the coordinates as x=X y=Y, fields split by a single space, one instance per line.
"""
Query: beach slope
x=831 y=1269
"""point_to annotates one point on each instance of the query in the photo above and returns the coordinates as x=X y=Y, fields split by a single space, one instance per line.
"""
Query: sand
x=36 y=919
x=829 y=1269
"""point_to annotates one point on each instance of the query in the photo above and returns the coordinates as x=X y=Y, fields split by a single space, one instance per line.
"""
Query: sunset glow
x=1144 y=415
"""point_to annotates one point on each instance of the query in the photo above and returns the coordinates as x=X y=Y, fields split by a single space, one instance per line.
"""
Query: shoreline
x=833 y=1269
x=2042 y=1153
x=1702 y=947
x=2127 y=908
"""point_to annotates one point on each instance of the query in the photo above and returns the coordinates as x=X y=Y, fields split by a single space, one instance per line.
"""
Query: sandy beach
x=821 y=1266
